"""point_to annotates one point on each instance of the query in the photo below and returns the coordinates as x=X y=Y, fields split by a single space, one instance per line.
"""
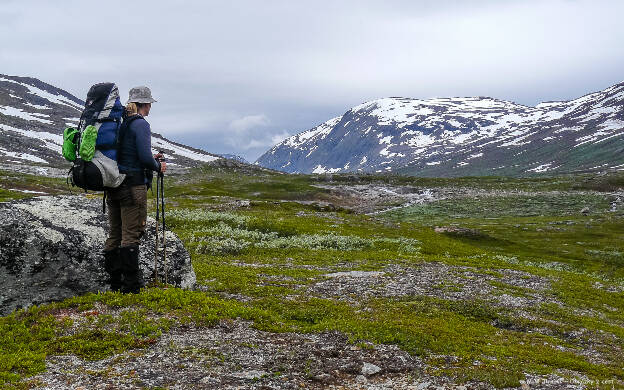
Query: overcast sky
x=239 y=76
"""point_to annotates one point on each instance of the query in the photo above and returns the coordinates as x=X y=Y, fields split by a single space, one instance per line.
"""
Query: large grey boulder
x=51 y=249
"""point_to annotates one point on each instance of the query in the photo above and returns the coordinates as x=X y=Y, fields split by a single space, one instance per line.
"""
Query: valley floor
x=352 y=282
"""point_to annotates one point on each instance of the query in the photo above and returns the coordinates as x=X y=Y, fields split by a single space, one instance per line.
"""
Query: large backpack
x=92 y=147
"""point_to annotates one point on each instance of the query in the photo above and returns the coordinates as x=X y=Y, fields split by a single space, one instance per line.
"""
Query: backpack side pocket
x=87 y=143
x=69 y=143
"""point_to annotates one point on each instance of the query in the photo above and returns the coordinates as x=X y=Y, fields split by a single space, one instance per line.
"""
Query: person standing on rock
x=127 y=204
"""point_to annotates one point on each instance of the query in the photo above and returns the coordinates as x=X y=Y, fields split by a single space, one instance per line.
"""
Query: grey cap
x=140 y=95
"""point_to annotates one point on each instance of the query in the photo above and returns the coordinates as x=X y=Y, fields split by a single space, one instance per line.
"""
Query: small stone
x=350 y=368
x=369 y=369
x=361 y=379
x=323 y=378
x=585 y=210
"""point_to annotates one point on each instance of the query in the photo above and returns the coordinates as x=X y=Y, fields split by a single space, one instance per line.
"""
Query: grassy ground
x=18 y=185
x=266 y=258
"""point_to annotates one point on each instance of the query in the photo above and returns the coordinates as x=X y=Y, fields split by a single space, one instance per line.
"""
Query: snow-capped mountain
x=34 y=114
x=462 y=136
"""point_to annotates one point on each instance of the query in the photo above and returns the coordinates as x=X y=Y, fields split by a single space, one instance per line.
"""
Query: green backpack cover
x=87 y=143
x=69 y=143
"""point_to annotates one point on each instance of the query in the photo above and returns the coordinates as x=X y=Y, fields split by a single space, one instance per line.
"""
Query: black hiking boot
x=112 y=265
x=132 y=275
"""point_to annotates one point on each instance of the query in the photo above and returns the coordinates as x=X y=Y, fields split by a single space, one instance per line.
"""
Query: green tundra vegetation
x=546 y=253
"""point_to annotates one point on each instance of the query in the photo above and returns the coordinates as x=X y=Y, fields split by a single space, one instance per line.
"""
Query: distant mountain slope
x=33 y=115
x=461 y=136
x=234 y=157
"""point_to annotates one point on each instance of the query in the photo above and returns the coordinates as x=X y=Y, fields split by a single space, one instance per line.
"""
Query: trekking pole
x=156 y=243
x=164 y=229
x=161 y=194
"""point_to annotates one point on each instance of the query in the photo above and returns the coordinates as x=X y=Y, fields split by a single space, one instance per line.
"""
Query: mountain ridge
x=476 y=134
x=34 y=113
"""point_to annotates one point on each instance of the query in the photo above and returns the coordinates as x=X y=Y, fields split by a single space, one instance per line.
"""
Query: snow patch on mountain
x=12 y=111
x=319 y=132
x=22 y=156
x=50 y=140
x=177 y=151
x=38 y=107
x=322 y=169
x=541 y=168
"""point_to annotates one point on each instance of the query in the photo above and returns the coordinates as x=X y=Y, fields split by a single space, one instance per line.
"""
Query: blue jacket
x=135 y=150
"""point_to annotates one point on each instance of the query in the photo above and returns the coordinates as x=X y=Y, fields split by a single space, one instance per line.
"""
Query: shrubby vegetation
x=227 y=233
x=224 y=239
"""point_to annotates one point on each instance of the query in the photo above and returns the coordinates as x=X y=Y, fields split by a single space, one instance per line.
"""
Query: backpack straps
x=121 y=131
x=124 y=128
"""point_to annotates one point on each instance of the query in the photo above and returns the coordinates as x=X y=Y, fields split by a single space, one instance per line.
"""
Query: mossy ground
x=15 y=185
x=259 y=261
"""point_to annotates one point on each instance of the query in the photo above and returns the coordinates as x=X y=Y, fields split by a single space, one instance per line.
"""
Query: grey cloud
x=247 y=122
x=249 y=132
x=210 y=63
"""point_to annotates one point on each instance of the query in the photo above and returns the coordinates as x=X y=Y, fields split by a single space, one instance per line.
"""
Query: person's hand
x=161 y=159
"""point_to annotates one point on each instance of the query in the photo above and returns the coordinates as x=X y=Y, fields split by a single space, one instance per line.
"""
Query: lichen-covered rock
x=51 y=249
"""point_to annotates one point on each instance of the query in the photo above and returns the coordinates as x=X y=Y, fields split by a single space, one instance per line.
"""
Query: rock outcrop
x=51 y=249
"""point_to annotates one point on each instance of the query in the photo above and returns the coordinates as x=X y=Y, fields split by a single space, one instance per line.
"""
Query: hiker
x=127 y=204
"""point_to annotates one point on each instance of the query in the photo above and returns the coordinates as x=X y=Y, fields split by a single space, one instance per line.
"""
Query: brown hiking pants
x=127 y=215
